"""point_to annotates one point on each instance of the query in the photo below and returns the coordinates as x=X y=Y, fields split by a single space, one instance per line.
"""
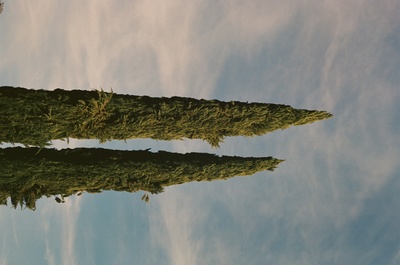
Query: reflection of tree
x=1 y=6
x=27 y=174
x=35 y=117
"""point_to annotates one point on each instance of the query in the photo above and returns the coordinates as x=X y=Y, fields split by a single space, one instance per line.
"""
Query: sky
x=333 y=201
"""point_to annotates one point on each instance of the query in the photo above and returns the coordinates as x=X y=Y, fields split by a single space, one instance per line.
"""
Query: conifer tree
x=35 y=117
x=30 y=173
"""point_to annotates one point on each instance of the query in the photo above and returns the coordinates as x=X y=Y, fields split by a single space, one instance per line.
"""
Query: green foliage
x=35 y=117
x=28 y=174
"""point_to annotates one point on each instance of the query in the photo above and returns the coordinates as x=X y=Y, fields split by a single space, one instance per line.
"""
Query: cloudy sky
x=335 y=199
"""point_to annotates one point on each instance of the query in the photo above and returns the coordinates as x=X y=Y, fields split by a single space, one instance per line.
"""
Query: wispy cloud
x=3 y=258
x=59 y=225
x=151 y=47
x=396 y=259
x=49 y=254
x=333 y=168
x=172 y=229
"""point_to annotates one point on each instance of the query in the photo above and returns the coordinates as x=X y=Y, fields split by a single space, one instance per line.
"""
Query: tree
x=35 y=117
x=28 y=174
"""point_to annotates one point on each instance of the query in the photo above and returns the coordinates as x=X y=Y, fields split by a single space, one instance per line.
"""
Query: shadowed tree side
x=28 y=174
x=35 y=117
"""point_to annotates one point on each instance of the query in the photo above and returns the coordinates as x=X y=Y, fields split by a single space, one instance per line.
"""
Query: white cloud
x=49 y=254
x=3 y=257
x=167 y=48
x=59 y=223
x=333 y=166
x=172 y=228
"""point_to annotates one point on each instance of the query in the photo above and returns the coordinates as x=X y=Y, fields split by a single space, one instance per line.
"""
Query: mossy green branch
x=35 y=117
x=28 y=174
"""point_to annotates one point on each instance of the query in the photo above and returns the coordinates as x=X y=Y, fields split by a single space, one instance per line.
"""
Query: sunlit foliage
x=35 y=117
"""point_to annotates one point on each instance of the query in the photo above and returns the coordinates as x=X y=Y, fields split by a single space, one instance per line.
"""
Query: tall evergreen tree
x=28 y=174
x=35 y=117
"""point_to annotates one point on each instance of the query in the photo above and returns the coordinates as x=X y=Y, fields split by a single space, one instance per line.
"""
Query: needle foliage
x=35 y=117
x=28 y=174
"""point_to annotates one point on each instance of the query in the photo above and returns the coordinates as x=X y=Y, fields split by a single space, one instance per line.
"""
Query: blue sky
x=334 y=200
